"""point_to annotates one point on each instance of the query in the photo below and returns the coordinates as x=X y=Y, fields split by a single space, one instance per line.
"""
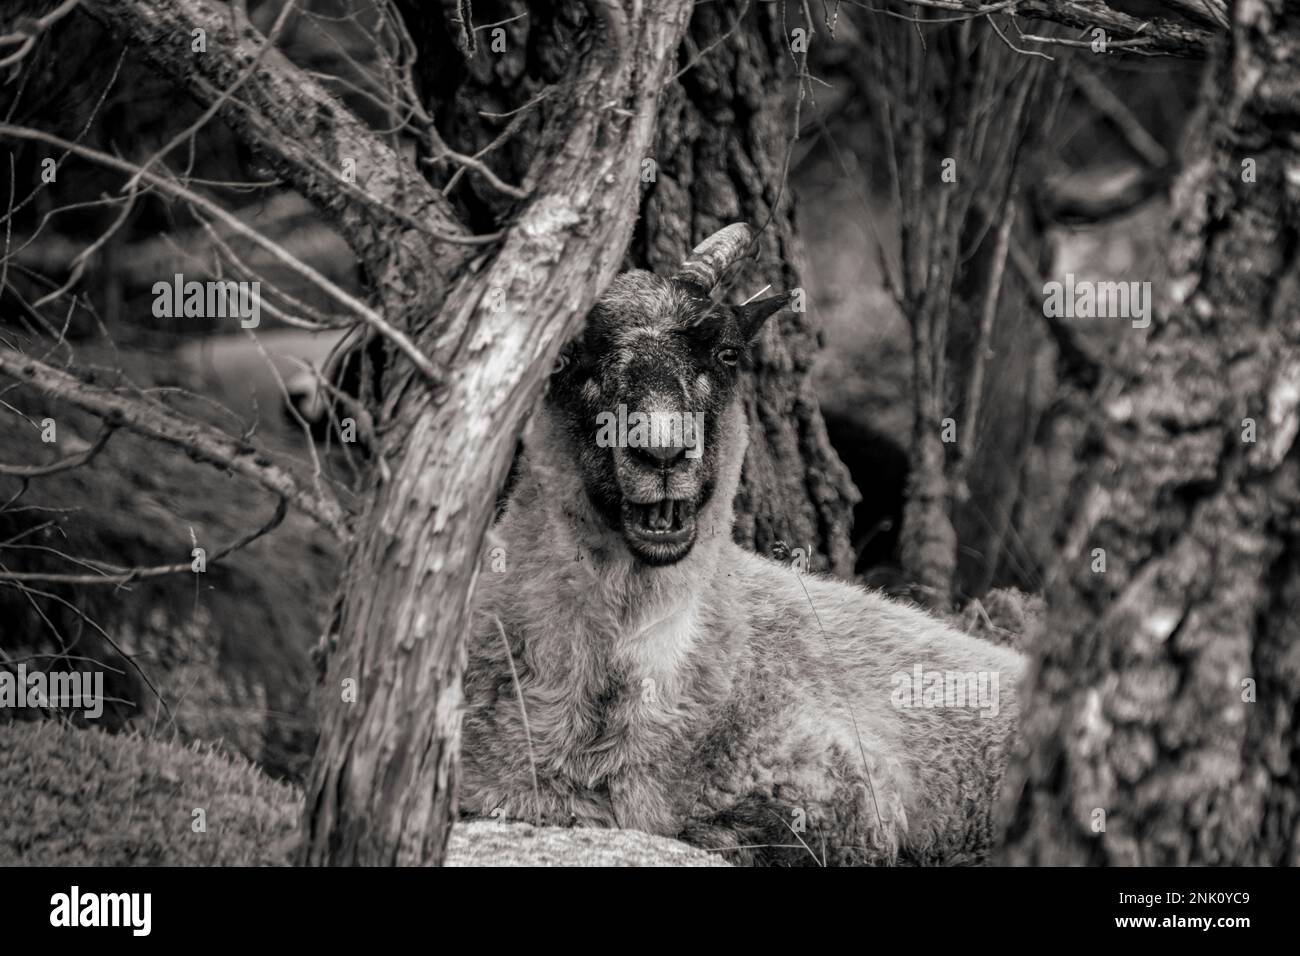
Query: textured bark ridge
x=1162 y=725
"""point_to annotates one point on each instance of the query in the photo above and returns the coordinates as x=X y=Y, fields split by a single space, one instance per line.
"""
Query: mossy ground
x=73 y=797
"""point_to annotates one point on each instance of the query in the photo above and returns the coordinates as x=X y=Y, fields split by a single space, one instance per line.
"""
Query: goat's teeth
x=663 y=516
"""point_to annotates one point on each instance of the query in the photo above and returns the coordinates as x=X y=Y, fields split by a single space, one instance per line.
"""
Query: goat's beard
x=659 y=533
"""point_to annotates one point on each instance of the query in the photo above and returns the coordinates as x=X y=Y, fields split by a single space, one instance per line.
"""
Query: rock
x=488 y=843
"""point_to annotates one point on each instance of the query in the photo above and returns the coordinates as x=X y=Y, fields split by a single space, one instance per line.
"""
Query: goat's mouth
x=659 y=532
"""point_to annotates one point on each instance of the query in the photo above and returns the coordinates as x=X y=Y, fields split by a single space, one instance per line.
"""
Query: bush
x=76 y=797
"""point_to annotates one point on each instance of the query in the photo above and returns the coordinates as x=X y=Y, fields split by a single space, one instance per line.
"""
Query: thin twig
x=362 y=311
x=128 y=575
x=63 y=464
x=523 y=713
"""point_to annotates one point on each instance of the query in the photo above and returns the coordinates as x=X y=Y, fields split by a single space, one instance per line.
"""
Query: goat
x=631 y=666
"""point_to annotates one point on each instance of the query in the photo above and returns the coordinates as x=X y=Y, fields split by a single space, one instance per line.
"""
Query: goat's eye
x=728 y=356
x=561 y=363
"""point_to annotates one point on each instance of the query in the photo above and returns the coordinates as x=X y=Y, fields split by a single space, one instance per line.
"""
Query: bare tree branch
x=359 y=308
x=63 y=464
x=1151 y=36
x=1214 y=12
x=30 y=30
x=1158 y=35
x=983 y=350
x=1097 y=93
x=199 y=440
x=120 y=576
x=396 y=222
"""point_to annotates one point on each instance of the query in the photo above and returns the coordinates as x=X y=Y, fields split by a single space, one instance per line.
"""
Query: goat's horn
x=710 y=259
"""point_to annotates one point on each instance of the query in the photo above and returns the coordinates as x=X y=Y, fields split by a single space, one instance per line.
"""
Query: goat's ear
x=754 y=314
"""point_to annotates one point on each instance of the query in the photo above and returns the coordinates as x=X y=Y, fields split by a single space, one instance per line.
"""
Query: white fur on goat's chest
x=617 y=706
x=657 y=647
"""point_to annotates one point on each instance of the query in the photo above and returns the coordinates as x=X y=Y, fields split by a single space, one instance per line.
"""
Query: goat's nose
x=659 y=456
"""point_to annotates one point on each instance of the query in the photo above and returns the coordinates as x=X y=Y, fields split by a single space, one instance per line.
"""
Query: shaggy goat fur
x=725 y=699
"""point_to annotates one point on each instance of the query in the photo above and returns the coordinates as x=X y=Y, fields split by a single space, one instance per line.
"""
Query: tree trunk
x=955 y=108
x=1161 y=726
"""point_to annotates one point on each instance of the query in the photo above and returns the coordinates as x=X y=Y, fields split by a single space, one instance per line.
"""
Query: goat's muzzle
x=660 y=532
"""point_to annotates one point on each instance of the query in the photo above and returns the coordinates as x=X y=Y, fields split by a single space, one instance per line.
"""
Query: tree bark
x=1161 y=723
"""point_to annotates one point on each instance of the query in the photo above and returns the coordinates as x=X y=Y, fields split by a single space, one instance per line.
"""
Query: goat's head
x=642 y=395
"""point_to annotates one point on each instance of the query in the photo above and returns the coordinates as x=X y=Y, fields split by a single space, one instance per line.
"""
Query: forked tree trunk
x=1161 y=727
